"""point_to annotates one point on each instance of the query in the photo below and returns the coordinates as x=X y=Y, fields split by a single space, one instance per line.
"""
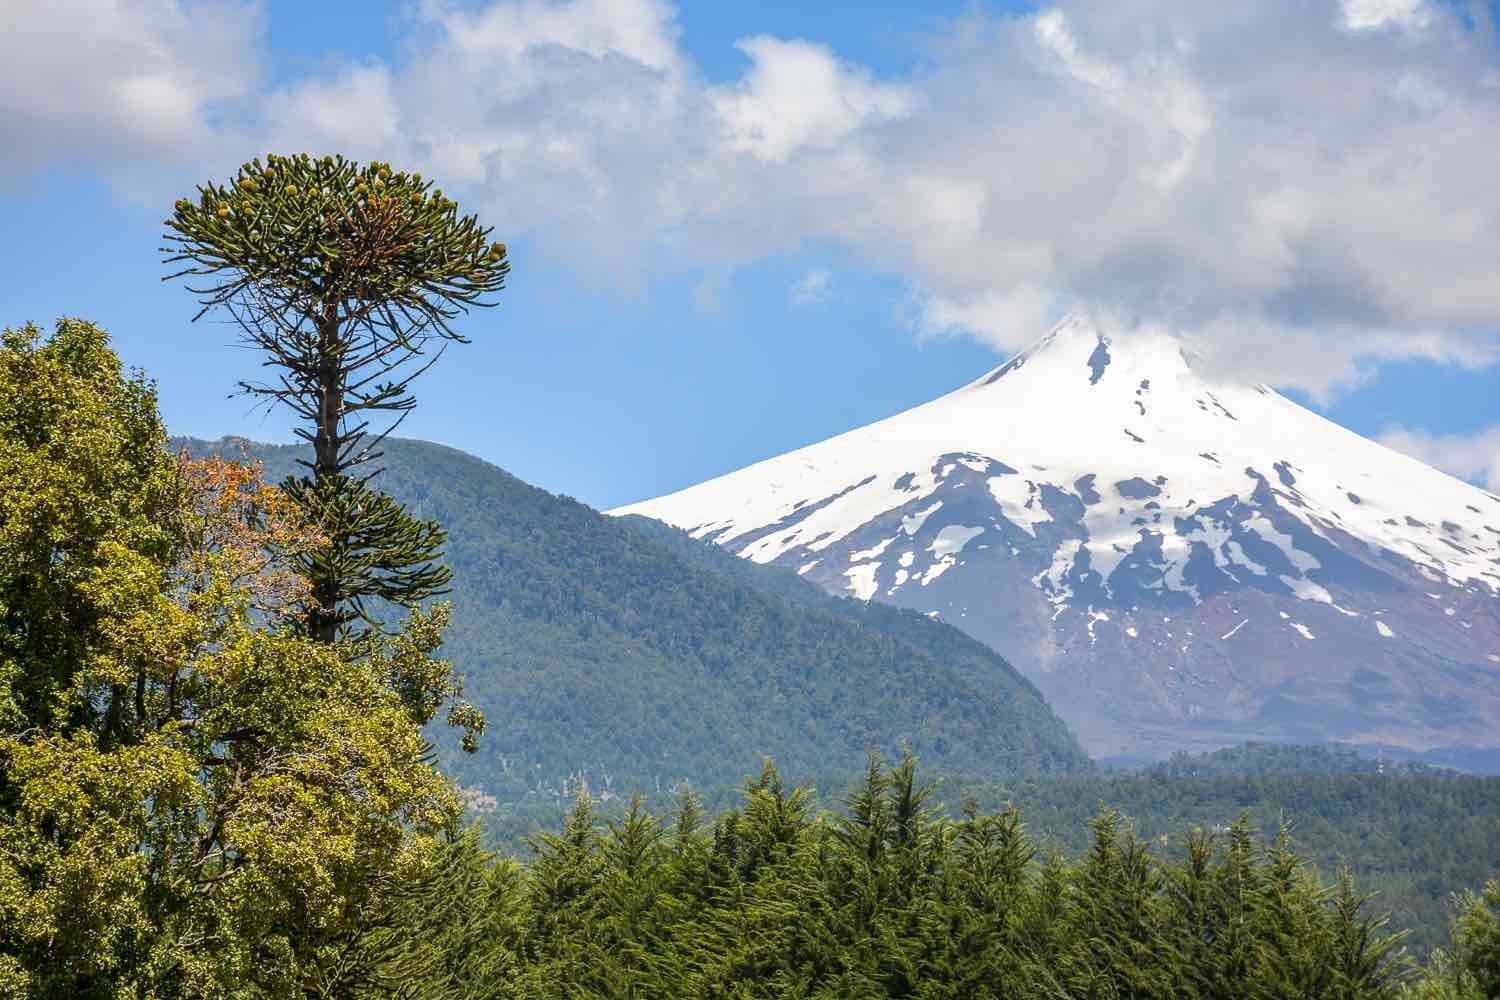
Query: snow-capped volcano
x=1175 y=560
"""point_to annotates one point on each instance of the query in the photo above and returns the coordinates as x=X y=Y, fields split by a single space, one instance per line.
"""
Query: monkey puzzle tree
x=347 y=278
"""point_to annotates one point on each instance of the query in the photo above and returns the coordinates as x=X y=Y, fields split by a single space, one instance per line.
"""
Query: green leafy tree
x=347 y=279
x=196 y=800
x=88 y=490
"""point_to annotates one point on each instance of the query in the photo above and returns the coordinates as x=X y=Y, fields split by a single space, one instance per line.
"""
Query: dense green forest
x=1414 y=839
x=887 y=898
x=628 y=655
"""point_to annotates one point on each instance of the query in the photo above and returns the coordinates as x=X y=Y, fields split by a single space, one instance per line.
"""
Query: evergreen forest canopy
x=217 y=695
x=886 y=899
x=627 y=655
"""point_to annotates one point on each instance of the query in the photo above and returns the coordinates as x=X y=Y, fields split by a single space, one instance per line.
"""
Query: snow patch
x=936 y=570
x=802 y=570
x=862 y=580
x=1020 y=501
x=871 y=553
x=907 y=558
x=1130 y=631
x=1175 y=550
x=951 y=540
x=1306 y=590
x=1303 y=561
x=1231 y=632
x=913 y=523
x=1215 y=537
x=1384 y=629
x=1239 y=557
x=1306 y=632
x=1053 y=579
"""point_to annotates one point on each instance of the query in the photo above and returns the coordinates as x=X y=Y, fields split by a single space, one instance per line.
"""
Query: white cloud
x=120 y=83
x=1305 y=188
x=1361 y=15
x=1475 y=457
x=575 y=122
x=811 y=289
x=796 y=96
x=356 y=112
x=642 y=31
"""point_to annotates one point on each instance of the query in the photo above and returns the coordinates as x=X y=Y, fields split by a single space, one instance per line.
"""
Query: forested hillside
x=627 y=654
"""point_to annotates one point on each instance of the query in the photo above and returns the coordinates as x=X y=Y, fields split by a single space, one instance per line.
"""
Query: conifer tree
x=347 y=279
x=1479 y=938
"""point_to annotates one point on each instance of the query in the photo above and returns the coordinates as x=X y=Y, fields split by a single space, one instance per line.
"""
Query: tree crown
x=304 y=232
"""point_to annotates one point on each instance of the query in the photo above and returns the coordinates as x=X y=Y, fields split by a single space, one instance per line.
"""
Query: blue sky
x=732 y=275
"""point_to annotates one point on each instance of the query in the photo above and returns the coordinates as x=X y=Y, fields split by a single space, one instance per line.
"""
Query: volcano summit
x=1178 y=562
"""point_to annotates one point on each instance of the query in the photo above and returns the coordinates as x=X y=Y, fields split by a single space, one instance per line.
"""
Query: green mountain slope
x=625 y=651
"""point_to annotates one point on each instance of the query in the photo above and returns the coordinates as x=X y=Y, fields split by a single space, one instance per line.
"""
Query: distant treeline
x=1257 y=758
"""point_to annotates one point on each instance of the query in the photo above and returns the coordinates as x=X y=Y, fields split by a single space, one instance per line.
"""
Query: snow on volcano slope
x=1176 y=561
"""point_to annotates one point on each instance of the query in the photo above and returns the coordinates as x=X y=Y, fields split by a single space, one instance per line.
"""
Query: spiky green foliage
x=332 y=230
x=1476 y=941
x=374 y=549
x=890 y=898
x=345 y=277
x=1480 y=928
